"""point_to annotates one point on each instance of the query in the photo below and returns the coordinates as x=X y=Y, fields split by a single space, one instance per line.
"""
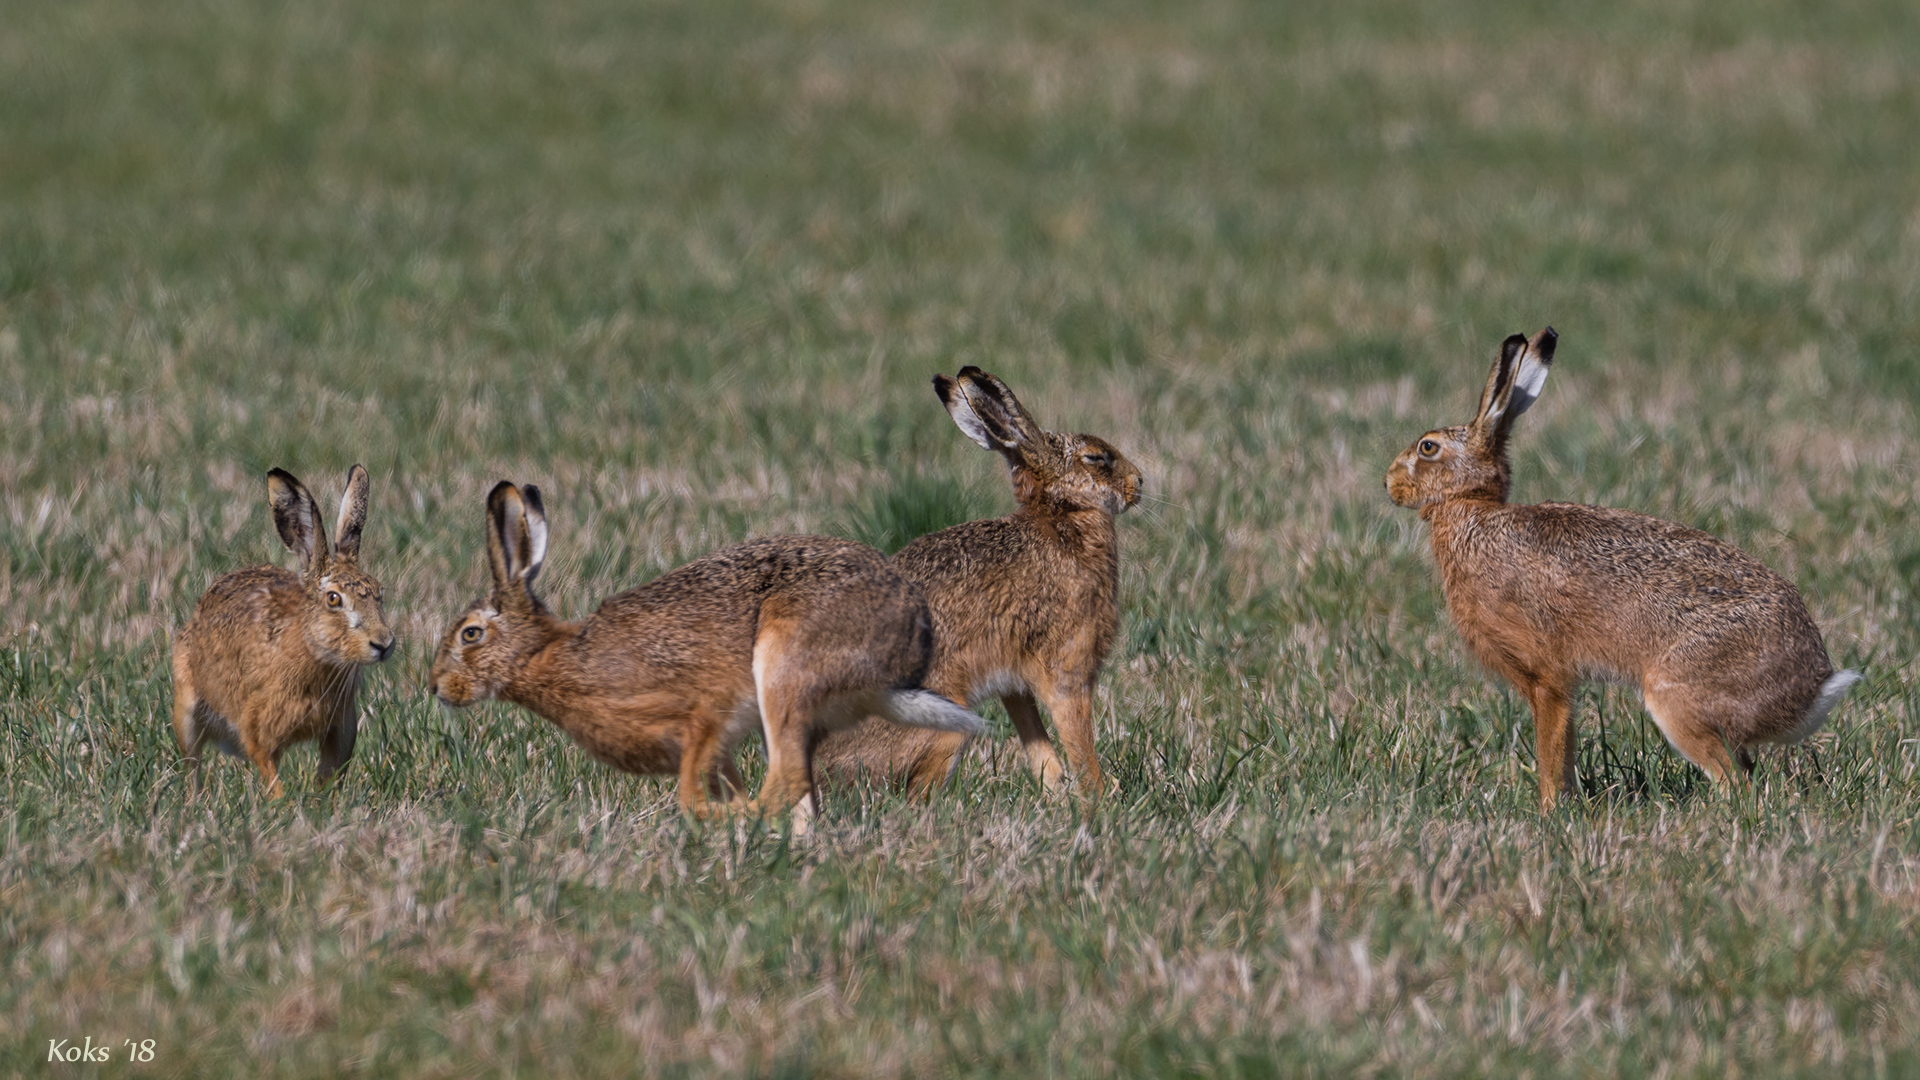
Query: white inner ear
x=340 y=519
x=1527 y=383
x=969 y=421
x=536 y=545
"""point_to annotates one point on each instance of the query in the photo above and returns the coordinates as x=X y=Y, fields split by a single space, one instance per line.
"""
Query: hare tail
x=926 y=709
x=1831 y=693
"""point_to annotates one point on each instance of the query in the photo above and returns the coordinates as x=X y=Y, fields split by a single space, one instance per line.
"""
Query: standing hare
x=1023 y=606
x=1723 y=648
x=789 y=634
x=271 y=657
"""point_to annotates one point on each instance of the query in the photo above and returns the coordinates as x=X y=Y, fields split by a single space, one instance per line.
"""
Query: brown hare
x=790 y=635
x=1024 y=607
x=1723 y=649
x=271 y=657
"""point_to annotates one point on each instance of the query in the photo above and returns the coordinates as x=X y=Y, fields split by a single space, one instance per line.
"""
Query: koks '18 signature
x=66 y=1051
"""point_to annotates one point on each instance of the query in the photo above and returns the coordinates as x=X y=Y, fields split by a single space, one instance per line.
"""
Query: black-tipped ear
x=503 y=514
x=1514 y=384
x=943 y=388
x=353 y=515
x=1530 y=374
x=296 y=517
x=964 y=417
x=1544 y=343
x=1001 y=413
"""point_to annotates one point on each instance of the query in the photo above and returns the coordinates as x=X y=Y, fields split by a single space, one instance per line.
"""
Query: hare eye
x=1096 y=459
x=470 y=634
x=1428 y=448
x=333 y=599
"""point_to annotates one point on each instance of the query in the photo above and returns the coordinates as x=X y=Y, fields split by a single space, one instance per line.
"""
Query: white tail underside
x=1831 y=693
x=926 y=709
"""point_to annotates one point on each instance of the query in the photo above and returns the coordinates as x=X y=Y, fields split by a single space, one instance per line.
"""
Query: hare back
x=1012 y=602
x=1068 y=555
x=1563 y=587
x=852 y=620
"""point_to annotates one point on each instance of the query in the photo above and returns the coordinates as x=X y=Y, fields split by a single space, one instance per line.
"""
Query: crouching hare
x=1024 y=607
x=271 y=657
x=787 y=635
x=1723 y=649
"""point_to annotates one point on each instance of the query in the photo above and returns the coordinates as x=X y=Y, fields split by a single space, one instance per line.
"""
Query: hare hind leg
x=786 y=720
x=1679 y=716
x=939 y=759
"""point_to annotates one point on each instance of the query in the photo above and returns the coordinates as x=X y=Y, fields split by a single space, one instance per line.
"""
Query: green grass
x=690 y=267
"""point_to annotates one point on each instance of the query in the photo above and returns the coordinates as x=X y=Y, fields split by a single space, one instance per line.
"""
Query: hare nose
x=381 y=649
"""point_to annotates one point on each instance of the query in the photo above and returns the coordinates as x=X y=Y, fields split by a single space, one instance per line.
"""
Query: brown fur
x=1025 y=607
x=1723 y=649
x=793 y=634
x=271 y=657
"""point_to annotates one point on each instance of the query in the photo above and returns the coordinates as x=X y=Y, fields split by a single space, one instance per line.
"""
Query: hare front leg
x=185 y=705
x=336 y=747
x=1554 y=739
x=706 y=775
x=1034 y=739
x=268 y=762
x=1071 y=703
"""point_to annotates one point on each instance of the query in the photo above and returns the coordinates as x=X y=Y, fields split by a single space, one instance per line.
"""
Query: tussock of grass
x=910 y=507
x=689 y=268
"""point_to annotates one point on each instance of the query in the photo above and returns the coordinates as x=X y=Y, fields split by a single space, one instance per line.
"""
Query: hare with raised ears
x=1024 y=607
x=271 y=657
x=1723 y=649
x=788 y=635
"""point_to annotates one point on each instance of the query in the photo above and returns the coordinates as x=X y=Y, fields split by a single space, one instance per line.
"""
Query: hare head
x=1072 y=472
x=1470 y=462
x=348 y=626
x=486 y=645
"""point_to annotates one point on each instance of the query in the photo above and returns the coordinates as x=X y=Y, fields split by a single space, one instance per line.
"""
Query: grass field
x=690 y=266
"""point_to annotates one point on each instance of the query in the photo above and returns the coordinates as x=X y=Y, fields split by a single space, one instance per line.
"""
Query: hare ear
x=516 y=538
x=296 y=517
x=353 y=515
x=1515 y=383
x=535 y=521
x=1000 y=413
x=1530 y=374
x=963 y=415
x=505 y=513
